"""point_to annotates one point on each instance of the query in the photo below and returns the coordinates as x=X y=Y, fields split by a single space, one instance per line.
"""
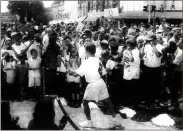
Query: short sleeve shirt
x=89 y=69
x=34 y=63
x=19 y=48
x=150 y=58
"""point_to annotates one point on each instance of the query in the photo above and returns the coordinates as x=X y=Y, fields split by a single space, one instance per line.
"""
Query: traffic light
x=153 y=8
x=145 y=8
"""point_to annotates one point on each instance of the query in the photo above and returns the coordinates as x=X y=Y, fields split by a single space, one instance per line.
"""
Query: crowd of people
x=102 y=61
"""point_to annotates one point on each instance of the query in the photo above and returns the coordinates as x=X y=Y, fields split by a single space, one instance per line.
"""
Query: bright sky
x=4 y=5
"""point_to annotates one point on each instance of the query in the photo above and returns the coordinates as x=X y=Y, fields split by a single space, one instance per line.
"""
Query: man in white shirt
x=152 y=55
x=96 y=90
x=131 y=62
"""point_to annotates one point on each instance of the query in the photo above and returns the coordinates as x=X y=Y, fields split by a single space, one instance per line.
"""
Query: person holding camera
x=131 y=75
x=151 y=74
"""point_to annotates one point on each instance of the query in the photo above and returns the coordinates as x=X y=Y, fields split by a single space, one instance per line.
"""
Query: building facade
x=87 y=6
x=7 y=18
x=63 y=11
x=167 y=5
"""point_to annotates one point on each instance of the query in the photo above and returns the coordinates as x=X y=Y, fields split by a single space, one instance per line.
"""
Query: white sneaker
x=86 y=124
x=116 y=121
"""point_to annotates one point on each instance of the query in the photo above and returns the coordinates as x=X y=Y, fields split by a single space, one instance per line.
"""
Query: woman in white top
x=131 y=62
x=18 y=47
x=96 y=89
x=73 y=81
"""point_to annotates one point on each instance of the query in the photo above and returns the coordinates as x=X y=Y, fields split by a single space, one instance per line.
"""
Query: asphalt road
x=24 y=111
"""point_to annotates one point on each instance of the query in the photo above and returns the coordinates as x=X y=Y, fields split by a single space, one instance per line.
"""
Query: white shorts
x=34 y=81
x=10 y=76
x=96 y=91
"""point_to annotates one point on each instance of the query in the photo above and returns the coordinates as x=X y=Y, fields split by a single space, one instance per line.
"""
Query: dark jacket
x=50 y=56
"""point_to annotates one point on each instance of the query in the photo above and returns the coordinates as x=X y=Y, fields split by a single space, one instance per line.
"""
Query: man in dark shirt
x=50 y=63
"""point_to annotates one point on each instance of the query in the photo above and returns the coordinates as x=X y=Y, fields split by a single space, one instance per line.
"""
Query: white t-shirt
x=98 y=52
x=178 y=56
x=11 y=52
x=19 y=48
x=72 y=78
x=150 y=58
x=62 y=67
x=132 y=69
x=34 y=63
x=110 y=64
x=82 y=54
x=120 y=48
x=10 y=73
x=89 y=69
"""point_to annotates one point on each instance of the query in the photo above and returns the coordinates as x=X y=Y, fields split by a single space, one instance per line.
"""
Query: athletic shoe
x=86 y=124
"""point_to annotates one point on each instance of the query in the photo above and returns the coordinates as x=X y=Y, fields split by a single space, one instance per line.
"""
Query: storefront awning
x=144 y=15
x=91 y=19
x=94 y=18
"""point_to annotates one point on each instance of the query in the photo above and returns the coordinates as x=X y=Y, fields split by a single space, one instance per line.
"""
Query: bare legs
x=87 y=109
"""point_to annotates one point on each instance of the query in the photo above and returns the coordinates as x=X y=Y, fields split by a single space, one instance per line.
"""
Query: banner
x=79 y=27
x=111 y=12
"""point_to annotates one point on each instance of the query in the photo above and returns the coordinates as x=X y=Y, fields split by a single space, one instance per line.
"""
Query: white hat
x=44 y=26
x=7 y=38
x=104 y=41
x=159 y=31
x=13 y=33
x=36 y=27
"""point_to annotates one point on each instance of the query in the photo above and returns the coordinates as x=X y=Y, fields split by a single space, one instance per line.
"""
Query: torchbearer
x=96 y=89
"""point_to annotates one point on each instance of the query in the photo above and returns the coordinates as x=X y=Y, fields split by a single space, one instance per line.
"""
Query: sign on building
x=111 y=12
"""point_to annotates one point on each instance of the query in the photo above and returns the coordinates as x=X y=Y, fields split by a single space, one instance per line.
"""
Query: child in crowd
x=61 y=72
x=74 y=81
x=34 y=64
x=9 y=64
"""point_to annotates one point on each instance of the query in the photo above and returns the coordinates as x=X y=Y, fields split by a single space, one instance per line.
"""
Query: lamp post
x=154 y=21
x=149 y=10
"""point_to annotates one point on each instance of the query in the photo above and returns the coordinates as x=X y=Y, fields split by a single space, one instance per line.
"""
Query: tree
x=31 y=9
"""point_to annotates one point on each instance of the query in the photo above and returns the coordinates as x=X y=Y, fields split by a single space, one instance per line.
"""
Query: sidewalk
x=24 y=111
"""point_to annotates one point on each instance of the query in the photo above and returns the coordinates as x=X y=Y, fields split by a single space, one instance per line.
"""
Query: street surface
x=25 y=109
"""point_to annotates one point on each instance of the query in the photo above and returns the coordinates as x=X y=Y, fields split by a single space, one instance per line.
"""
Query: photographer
x=151 y=77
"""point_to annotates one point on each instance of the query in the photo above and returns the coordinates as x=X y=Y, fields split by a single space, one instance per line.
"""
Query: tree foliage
x=31 y=9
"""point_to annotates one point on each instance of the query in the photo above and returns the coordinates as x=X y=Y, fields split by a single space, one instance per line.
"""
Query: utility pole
x=102 y=4
x=154 y=21
x=149 y=9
